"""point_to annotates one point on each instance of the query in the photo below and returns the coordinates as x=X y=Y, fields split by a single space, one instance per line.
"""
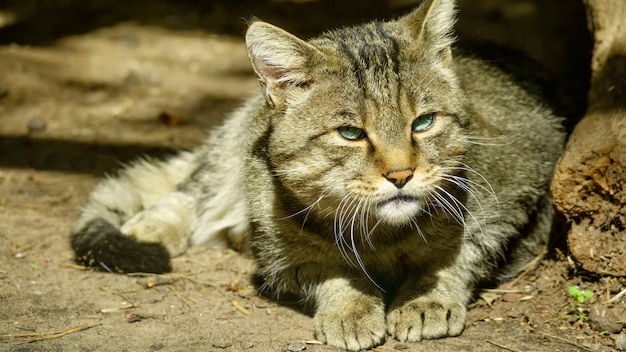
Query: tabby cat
x=380 y=176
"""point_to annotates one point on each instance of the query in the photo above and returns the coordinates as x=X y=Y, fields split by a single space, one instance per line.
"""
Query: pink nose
x=399 y=177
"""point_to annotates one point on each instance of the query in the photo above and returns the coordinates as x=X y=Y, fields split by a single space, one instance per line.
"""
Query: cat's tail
x=97 y=238
x=102 y=245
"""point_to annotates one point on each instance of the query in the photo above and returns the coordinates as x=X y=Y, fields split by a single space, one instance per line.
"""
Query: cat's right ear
x=280 y=60
x=431 y=25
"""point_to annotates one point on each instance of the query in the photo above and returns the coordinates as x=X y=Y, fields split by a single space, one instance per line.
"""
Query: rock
x=36 y=124
x=296 y=346
x=222 y=344
x=601 y=318
x=246 y=345
x=589 y=185
x=156 y=347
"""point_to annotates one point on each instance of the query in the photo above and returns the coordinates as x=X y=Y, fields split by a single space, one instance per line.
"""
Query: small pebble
x=36 y=125
x=246 y=344
x=296 y=346
x=222 y=344
x=602 y=318
x=400 y=346
x=157 y=347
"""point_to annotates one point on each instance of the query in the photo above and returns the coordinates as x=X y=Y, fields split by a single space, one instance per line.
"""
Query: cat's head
x=368 y=121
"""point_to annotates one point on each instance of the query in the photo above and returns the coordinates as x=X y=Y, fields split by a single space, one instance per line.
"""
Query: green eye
x=423 y=122
x=351 y=133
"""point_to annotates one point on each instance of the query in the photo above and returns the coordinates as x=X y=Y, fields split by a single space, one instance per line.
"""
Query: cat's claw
x=351 y=328
x=426 y=318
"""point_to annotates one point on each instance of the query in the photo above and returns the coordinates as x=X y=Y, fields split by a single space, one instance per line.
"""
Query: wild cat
x=380 y=176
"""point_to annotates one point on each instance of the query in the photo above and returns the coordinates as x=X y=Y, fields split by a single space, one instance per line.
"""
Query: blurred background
x=85 y=83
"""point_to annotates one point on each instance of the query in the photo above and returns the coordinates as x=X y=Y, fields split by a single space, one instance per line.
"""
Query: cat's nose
x=399 y=177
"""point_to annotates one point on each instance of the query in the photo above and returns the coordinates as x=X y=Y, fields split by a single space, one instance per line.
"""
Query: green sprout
x=579 y=296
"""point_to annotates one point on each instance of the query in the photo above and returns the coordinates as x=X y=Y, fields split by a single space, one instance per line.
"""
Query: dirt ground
x=86 y=86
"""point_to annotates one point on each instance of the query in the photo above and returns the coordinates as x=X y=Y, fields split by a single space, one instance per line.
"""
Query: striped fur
x=377 y=164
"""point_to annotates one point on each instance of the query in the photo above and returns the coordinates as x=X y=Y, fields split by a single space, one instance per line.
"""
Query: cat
x=380 y=175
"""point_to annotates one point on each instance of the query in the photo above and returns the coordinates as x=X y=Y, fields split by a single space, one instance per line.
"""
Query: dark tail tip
x=102 y=245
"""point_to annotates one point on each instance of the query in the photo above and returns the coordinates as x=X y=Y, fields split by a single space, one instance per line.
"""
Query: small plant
x=579 y=296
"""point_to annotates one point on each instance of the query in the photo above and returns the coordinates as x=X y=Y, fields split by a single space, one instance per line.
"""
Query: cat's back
x=498 y=80
x=516 y=136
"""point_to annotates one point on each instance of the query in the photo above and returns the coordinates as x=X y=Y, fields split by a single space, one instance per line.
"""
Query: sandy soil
x=86 y=86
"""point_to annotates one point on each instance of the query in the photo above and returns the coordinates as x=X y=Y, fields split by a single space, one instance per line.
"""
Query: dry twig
x=567 y=342
x=618 y=296
x=40 y=336
x=241 y=308
x=502 y=346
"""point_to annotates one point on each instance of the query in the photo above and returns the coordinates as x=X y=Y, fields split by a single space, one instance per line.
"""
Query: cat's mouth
x=401 y=198
x=399 y=209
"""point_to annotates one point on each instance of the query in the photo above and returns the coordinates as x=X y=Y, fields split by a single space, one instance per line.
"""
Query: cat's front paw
x=427 y=317
x=352 y=326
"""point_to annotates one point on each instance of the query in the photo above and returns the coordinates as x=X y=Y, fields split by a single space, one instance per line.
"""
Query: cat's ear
x=432 y=25
x=281 y=61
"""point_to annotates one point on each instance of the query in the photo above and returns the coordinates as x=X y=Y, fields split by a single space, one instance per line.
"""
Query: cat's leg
x=429 y=308
x=349 y=311
x=350 y=314
x=529 y=247
x=169 y=222
x=436 y=306
x=137 y=220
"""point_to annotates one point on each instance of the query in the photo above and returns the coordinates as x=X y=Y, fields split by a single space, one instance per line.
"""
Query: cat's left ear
x=431 y=26
x=281 y=60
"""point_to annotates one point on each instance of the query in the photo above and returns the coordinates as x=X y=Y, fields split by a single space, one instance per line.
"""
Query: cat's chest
x=409 y=253
x=387 y=252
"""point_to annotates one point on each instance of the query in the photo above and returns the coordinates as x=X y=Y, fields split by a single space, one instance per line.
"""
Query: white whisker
x=345 y=221
x=419 y=230
x=464 y=167
x=371 y=231
x=359 y=260
x=365 y=221
x=340 y=240
x=459 y=206
x=484 y=141
x=449 y=207
x=352 y=216
x=306 y=210
x=461 y=183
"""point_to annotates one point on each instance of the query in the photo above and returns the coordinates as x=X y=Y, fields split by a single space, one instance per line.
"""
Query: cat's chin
x=398 y=210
